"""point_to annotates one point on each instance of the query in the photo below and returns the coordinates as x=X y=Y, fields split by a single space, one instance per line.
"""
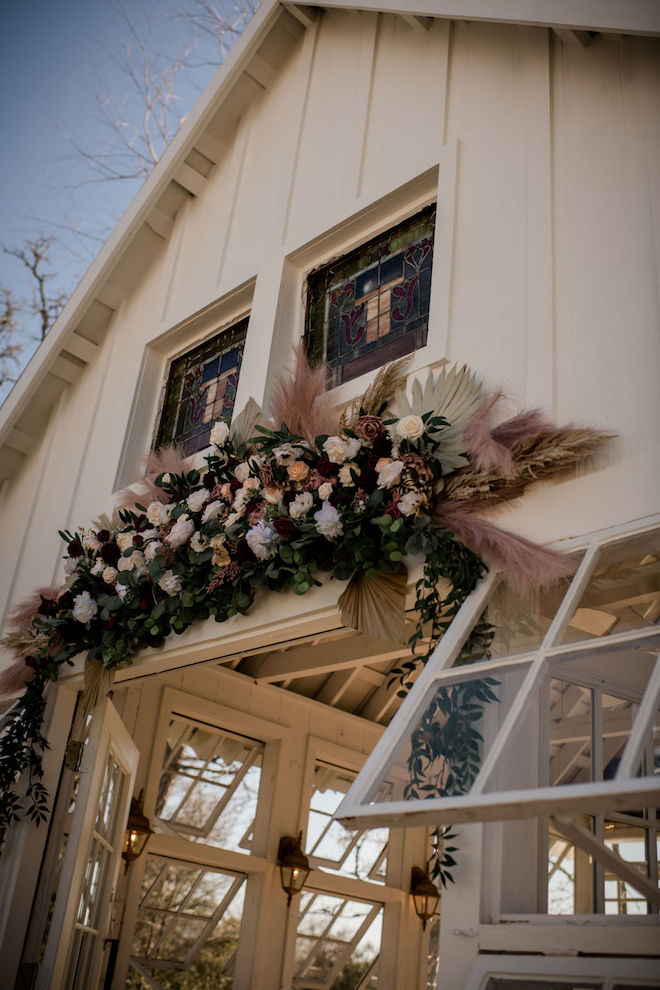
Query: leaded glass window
x=372 y=305
x=201 y=388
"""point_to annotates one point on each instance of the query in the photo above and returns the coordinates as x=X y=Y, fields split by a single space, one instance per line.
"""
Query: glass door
x=74 y=950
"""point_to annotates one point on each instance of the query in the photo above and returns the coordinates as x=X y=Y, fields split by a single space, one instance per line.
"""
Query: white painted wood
x=160 y=222
x=81 y=348
x=191 y=180
x=107 y=736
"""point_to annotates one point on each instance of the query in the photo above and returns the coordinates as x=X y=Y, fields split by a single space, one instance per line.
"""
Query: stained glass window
x=201 y=388
x=372 y=305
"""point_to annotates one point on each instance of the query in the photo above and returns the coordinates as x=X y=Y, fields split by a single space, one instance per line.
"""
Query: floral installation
x=281 y=502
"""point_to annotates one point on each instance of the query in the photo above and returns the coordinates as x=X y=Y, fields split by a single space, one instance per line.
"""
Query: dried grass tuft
x=387 y=382
x=166 y=459
x=301 y=400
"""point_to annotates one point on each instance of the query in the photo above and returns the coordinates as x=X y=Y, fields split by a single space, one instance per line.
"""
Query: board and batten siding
x=551 y=280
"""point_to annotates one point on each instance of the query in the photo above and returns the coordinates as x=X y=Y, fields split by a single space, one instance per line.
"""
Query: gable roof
x=77 y=335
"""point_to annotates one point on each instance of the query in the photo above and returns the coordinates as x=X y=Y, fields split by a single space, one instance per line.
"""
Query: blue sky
x=49 y=54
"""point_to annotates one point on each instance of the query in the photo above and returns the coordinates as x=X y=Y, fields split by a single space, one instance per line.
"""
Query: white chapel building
x=521 y=138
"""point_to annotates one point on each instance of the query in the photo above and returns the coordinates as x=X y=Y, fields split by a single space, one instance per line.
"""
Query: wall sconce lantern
x=138 y=830
x=425 y=895
x=294 y=865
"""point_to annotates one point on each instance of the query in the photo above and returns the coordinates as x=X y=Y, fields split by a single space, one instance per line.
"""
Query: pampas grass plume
x=301 y=400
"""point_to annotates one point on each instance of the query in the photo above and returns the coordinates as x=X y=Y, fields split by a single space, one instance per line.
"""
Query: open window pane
x=188 y=923
x=570 y=874
x=210 y=784
x=444 y=752
x=360 y=853
x=338 y=942
x=623 y=592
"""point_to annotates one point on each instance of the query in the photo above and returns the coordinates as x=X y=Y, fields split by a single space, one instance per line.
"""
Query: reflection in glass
x=623 y=592
x=571 y=721
x=443 y=754
x=570 y=874
x=630 y=841
x=188 y=920
x=350 y=852
x=522 y=620
x=210 y=785
x=338 y=943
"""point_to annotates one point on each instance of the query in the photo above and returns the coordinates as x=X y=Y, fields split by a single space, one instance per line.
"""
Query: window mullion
x=535 y=673
x=645 y=714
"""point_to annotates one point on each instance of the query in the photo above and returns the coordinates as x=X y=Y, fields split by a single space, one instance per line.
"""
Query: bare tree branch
x=35 y=255
x=9 y=326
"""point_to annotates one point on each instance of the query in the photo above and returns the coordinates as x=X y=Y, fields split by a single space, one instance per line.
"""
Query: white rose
x=212 y=511
x=152 y=549
x=251 y=485
x=389 y=474
x=197 y=499
x=259 y=539
x=219 y=433
x=148 y=534
x=409 y=503
x=285 y=454
x=84 y=607
x=273 y=495
x=325 y=491
x=328 y=523
x=335 y=448
x=125 y=540
x=242 y=471
x=410 y=427
x=166 y=478
x=198 y=543
x=352 y=446
x=97 y=569
x=170 y=583
x=345 y=475
x=90 y=542
x=135 y=562
x=181 y=532
x=158 y=514
x=110 y=575
x=232 y=518
x=301 y=505
x=122 y=591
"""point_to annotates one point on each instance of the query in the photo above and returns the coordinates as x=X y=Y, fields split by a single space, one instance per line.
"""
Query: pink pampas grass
x=14 y=678
x=524 y=565
x=529 y=422
x=301 y=400
x=166 y=459
x=485 y=451
x=23 y=613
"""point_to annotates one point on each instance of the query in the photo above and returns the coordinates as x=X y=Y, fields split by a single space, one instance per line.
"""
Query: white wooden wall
x=549 y=273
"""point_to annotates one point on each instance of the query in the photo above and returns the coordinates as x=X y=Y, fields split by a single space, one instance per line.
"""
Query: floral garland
x=398 y=476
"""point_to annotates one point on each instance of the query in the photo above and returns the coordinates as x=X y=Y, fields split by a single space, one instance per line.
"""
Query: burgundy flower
x=369 y=428
x=109 y=553
x=392 y=510
x=103 y=535
x=75 y=548
x=284 y=527
x=112 y=622
x=382 y=446
x=325 y=468
x=138 y=540
x=47 y=606
x=208 y=480
x=31 y=661
x=234 y=484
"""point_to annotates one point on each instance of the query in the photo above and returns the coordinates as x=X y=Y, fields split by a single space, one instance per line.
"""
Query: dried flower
x=369 y=428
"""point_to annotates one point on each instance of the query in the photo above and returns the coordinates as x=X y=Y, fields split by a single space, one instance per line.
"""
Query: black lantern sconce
x=294 y=865
x=425 y=895
x=138 y=830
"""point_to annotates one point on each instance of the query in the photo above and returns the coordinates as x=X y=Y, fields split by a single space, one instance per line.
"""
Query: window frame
x=608 y=796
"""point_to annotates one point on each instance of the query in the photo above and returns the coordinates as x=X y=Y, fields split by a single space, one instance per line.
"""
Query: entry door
x=74 y=949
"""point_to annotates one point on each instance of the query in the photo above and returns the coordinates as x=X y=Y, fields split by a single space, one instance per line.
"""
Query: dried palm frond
x=161 y=461
x=455 y=394
x=524 y=565
x=389 y=379
x=244 y=425
x=301 y=400
x=376 y=606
